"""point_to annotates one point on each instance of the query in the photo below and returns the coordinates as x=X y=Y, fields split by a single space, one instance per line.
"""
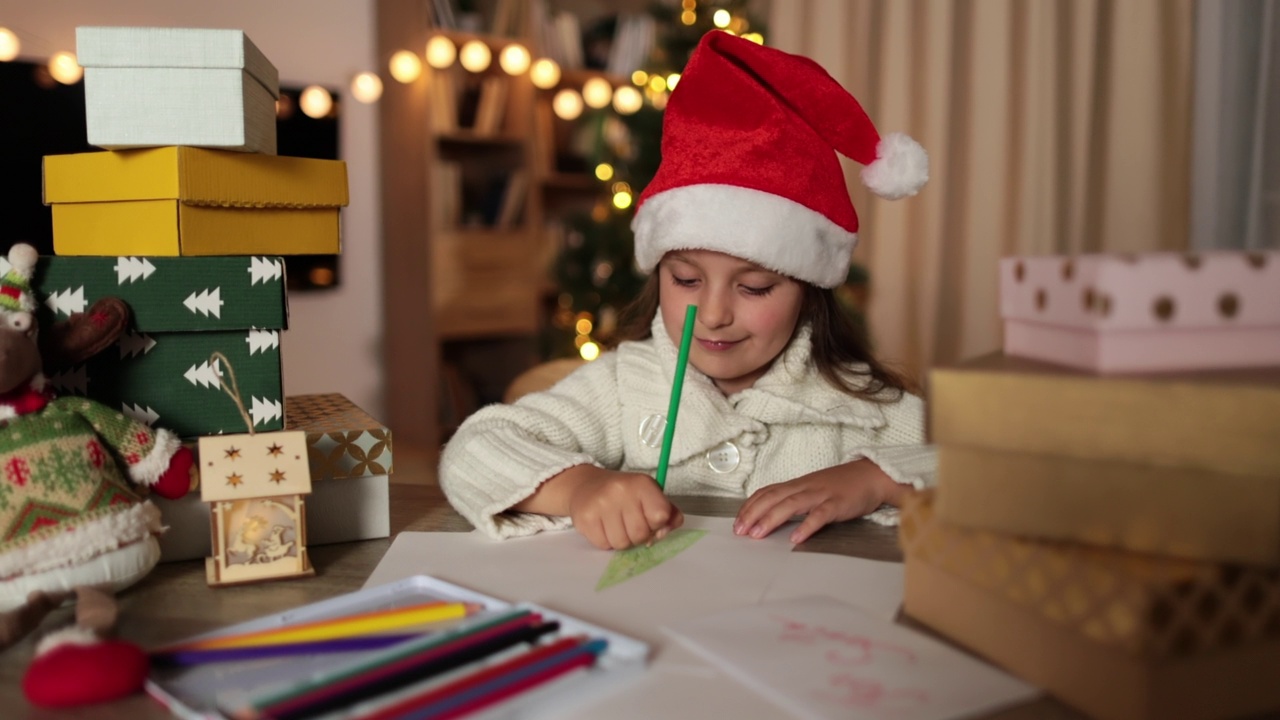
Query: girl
x=749 y=219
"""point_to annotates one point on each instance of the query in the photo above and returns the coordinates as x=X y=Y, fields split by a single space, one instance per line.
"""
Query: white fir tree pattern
x=67 y=301
x=206 y=302
x=73 y=382
x=263 y=270
x=261 y=341
x=206 y=374
x=130 y=269
x=132 y=344
x=142 y=414
x=265 y=410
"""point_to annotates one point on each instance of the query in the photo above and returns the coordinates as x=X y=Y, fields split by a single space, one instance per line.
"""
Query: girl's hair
x=838 y=346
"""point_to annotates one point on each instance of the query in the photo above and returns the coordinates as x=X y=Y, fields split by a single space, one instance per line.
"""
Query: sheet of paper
x=821 y=658
x=562 y=571
x=870 y=585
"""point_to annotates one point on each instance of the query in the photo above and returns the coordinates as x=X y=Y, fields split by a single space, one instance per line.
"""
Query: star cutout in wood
x=232 y=453
x=234 y=480
x=275 y=449
x=277 y=476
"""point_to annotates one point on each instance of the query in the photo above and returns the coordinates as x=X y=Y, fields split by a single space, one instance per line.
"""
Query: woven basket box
x=1118 y=635
x=150 y=87
x=1144 y=313
x=349 y=454
x=189 y=201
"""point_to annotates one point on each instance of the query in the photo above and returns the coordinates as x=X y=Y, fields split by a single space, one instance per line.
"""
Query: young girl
x=749 y=219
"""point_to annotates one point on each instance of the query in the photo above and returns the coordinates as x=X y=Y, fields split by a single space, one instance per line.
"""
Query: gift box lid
x=343 y=441
x=195 y=176
x=1145 y=291
x=169 y=294
x=134 y=47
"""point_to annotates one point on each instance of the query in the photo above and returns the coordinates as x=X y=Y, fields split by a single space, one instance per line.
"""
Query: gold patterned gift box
x=1116 y=634
x=349 y=453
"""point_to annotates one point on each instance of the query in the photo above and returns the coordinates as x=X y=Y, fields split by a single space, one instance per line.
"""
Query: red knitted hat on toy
x=749 y=164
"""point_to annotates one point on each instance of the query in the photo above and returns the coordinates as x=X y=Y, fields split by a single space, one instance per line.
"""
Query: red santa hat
x=749 y=165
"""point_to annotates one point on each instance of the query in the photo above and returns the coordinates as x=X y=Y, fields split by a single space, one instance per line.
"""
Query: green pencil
x=669 y=432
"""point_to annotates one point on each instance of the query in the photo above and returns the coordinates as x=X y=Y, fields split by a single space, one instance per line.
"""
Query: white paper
x=870 y=585
x=821 y=658
x=560 y=570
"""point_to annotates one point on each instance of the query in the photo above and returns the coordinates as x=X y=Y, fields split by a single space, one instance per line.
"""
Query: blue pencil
x=184 y=658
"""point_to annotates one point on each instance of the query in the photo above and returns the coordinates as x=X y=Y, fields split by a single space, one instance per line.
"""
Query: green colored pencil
x=676 y=385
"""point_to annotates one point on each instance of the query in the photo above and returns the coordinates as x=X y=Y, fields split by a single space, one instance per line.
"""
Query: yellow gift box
x=191 y=201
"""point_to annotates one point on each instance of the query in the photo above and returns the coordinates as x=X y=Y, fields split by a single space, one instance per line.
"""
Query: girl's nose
x=714 y=310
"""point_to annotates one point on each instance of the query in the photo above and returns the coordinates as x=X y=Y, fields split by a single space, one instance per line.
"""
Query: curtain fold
x=1057 y=126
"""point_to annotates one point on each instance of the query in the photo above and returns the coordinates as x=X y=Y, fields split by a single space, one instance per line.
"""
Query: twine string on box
x=234 y=389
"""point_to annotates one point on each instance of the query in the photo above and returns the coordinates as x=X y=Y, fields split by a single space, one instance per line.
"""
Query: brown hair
x=837 y=345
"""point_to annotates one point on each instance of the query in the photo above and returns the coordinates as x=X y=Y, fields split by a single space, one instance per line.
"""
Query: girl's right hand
x=617 y=510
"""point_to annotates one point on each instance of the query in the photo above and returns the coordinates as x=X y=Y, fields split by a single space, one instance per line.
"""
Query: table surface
x=174 y=601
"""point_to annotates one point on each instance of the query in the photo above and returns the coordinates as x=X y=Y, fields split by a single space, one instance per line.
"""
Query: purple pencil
x=183 y=658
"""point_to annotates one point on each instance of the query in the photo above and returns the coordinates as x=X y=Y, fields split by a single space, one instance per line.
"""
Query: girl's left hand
x=843 y=492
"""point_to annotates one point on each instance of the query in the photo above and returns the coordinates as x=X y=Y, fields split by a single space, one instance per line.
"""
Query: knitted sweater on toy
x=789 y=423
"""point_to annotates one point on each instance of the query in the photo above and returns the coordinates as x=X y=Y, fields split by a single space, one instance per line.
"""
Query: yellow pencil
x=371 y=623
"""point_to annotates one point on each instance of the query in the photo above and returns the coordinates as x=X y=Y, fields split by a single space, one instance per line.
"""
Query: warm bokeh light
x=639 y=78
x=405 y=67
x=321 y=276
x=475 y=56
x=627 y=100
x=583 y=326
x=721 y=18
x=589 y=351
x=604 y=172
x=9 y=45
x=622 y=200
x=657 y=83
x=441 y=52
x=672 y=80
x=315 y=101
x=688 y=17
x=545 y=73
x=64 y=68
x=514 y=59
x=597 y=92
x=754 y=37
x=366 y=87
x=284 y=107
x=567 y=104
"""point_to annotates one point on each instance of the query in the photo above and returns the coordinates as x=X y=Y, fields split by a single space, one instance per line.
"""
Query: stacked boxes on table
x=1109 y=527
x=185 y=218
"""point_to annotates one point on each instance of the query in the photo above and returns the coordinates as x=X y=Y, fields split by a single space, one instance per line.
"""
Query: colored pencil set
x=431 y=661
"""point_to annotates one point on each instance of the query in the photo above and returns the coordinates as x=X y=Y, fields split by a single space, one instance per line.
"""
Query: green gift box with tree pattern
x=184 y=309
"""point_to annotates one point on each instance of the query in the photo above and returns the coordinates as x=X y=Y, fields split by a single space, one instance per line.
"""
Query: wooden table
x=174 y=602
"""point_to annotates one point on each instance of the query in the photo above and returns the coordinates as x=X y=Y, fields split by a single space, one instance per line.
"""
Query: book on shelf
x=632 y=44
x=513 y=199
x=446 y=195
x=507 y=18
x=491 y=106
x=443 y=97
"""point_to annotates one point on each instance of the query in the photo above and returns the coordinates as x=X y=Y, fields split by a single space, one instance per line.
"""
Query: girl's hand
x=843 y=492
x=617 y=510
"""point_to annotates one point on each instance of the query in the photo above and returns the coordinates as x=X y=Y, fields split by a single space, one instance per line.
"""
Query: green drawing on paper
x=631 y=562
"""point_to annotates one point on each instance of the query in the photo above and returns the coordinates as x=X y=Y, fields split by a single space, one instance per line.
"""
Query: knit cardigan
x=789 y=423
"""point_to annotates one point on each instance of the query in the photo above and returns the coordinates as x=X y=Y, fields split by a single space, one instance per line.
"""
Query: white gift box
x=154 y=87
x=340 y=510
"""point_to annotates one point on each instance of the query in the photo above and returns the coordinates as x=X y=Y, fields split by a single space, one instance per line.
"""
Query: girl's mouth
x=717 y=345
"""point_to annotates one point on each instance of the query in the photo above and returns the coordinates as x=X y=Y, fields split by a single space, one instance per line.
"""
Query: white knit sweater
x=791 y=422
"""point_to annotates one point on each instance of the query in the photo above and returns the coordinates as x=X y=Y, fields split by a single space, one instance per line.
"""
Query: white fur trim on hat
x=83 y=542
x=900 y=169
x=767 y=229
x=116 y=570
x=148 y=470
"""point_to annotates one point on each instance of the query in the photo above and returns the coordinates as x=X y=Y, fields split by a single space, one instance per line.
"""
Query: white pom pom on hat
x=749 y=165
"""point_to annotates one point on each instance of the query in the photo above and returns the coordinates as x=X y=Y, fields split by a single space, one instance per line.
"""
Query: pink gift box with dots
x=1118 y=313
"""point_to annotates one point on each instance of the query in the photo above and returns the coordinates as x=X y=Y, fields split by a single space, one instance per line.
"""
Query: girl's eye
x=683 y=282
x=758 y=291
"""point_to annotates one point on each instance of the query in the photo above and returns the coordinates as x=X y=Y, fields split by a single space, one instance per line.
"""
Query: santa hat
x=15 y=283
x=749 y=164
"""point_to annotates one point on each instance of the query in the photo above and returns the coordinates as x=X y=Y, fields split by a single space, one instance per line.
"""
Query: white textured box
x=154 y=87
x=339 y=510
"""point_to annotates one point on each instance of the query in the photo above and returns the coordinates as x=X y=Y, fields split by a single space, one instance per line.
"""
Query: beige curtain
x=1053 y=126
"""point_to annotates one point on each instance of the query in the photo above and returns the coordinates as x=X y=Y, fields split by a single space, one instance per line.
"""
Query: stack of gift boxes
x=1107 y=517
x=185 y=216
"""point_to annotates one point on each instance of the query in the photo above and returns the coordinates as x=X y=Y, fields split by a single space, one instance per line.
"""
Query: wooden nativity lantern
x=255 y=485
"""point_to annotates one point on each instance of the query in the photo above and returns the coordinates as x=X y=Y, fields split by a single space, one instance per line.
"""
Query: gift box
x=149 y=87
x=1174 y=511
x=1216 y=421
x=1118 y=635
x=184 y=310
x=349 y=454
x=189 y=201
x=1143 y=313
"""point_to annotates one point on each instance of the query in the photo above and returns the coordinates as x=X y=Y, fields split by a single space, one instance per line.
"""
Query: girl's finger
x=616 y=533
x=761 y=504
x=783 y=511
x=636 y=525
x=818 y=518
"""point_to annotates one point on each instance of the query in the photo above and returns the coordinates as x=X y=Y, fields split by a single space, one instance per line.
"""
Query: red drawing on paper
x=856 y=692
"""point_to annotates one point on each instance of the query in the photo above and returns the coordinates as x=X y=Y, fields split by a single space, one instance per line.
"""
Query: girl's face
x=746 y=314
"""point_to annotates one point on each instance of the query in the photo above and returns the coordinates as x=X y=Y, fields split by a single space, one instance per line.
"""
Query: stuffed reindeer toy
x=73 y=515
